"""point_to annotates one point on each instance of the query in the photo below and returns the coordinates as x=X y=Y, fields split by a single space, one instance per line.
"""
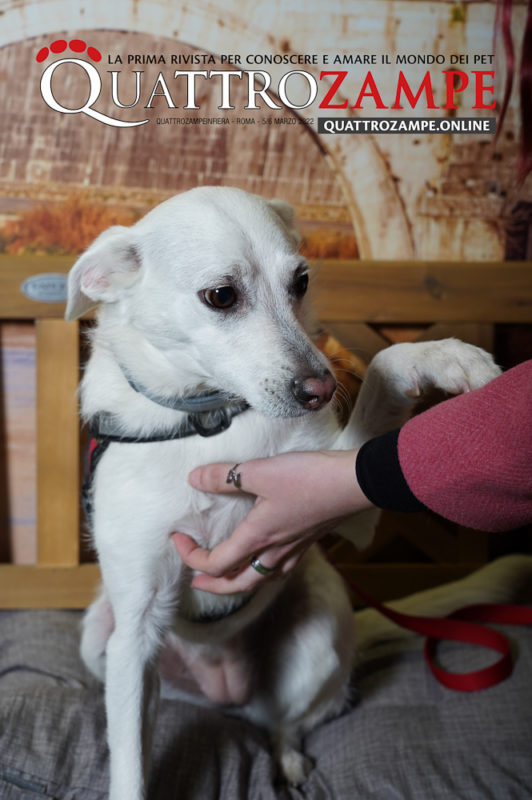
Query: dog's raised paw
x=455 y=367
x=449 y=365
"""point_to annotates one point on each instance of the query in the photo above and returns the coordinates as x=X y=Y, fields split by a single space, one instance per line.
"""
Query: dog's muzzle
x=313 y=392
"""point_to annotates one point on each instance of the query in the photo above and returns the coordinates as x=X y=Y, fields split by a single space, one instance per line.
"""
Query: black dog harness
x=207 y=415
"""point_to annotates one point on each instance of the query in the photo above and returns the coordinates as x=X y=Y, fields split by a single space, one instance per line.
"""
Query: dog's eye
x=220 y=297
x=300 y=285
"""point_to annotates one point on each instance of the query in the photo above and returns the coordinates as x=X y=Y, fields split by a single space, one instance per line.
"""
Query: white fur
x=287 y=675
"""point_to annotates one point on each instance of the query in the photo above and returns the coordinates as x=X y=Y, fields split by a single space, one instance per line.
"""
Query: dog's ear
x=287 y=214
x=111 y=264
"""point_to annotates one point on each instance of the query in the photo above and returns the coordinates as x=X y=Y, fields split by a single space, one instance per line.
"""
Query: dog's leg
x=130 y=692
x=98 y=627
x=400 y=375
x=142 y=610
x=306 y=651
x=396 y=379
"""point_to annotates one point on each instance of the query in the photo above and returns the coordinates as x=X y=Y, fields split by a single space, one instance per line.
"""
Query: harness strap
x=96 y=450
x=202 y=423
x=102 y=428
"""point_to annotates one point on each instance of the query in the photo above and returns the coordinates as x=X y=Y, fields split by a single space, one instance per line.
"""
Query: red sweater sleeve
x=470 y=458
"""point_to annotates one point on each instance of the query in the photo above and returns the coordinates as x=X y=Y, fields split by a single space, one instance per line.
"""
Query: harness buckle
x=209 y=423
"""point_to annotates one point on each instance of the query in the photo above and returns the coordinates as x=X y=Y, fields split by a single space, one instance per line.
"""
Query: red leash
x=461 y=626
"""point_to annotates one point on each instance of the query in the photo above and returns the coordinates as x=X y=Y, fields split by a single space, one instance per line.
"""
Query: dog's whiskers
x=342 y=401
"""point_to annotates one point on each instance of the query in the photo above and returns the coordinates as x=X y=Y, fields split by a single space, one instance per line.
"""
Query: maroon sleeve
x=470 y=458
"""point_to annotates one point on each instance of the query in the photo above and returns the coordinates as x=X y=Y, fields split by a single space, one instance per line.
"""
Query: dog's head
x=208 y=291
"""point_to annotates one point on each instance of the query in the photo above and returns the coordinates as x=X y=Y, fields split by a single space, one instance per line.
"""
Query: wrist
x=350 y=499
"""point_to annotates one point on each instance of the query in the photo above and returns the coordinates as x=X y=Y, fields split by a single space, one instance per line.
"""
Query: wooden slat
x=472 y=545
x=74 y=587
x=392 y=581
x=359 y=338
x=47 y=587
x=481 y=334
x=57 y=443
x=438 y=543
x=14 y=270
x=431 y=291
x=351 y=291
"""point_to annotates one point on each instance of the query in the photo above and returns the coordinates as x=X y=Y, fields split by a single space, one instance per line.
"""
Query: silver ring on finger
x=234 y=477
x=260 y=568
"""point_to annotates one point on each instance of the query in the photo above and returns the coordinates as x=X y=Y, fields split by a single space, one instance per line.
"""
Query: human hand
x=299 y=497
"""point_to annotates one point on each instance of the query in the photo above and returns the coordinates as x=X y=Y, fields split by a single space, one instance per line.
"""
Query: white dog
x=202 y=354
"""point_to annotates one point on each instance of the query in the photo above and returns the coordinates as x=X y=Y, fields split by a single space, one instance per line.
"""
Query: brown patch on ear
x=288 y=217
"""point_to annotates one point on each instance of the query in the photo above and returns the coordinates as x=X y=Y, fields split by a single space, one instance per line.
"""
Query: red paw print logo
x=61 y=45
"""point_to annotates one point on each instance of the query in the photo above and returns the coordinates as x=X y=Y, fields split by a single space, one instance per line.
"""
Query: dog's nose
x=312 y=392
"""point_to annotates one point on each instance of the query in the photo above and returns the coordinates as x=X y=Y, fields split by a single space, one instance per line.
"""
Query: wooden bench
x=432 y=299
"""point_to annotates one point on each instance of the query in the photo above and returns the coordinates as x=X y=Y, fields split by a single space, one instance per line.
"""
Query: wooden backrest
x=350 y=296
x=57 y=579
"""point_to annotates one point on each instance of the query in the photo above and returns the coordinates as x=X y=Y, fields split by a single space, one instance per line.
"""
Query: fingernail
x=194 y=478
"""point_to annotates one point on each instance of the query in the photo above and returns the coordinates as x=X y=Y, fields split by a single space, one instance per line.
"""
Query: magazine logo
x=93 y=77
x=340 y=86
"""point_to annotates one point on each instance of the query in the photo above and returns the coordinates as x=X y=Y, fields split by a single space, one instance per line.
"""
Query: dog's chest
x=143 y=488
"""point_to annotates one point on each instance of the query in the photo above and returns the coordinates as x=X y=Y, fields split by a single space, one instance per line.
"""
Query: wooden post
x=57 y=443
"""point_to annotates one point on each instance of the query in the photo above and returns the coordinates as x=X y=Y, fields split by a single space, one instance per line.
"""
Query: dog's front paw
x=449 y=365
